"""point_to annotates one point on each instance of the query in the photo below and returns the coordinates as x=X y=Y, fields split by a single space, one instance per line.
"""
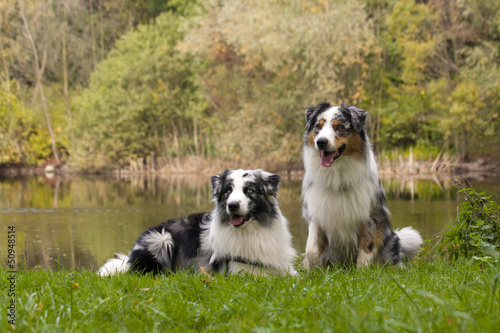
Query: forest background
x=97 y=84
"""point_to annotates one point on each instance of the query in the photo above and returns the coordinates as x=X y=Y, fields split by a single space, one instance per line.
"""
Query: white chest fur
x=270 y=245
x=339 y=198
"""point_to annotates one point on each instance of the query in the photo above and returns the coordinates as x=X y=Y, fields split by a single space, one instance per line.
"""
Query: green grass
x=428 y=296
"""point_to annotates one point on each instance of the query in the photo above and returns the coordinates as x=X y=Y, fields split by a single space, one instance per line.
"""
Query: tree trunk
x=464 y=146
x=101 y=30
x=65 y=73
x=92 y=34
x=175 y=134
x=5 y=83
x=195 y=133
x=457 y=144
x=39 y=80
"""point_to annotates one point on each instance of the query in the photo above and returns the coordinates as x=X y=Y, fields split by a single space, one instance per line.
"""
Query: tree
x=39 y=75
x=264 y=69
x=142 y=98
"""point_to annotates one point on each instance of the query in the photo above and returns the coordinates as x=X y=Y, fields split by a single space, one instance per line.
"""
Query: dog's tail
x=410 y=241
x=160 y=244
x=119 y=264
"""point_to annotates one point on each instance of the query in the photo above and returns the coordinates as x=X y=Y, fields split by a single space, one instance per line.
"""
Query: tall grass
x=425 y=297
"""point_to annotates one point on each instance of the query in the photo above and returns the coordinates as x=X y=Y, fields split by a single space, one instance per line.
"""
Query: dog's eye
x=318 y=126
x=249 y=190
x=229 y=190
x=339 y=127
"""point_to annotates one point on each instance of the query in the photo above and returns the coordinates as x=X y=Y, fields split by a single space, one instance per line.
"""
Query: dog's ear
x=216 y=186
x=312 y=111
x=270 y=182
x=272 y=185
x=358 y=119
x=358 y=116
x=217 y=181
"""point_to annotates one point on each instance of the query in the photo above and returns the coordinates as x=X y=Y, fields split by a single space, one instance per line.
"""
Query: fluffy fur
x=246 y=232
x=343 y=199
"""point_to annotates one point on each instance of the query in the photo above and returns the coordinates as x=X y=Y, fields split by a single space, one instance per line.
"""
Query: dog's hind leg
x=315 y=248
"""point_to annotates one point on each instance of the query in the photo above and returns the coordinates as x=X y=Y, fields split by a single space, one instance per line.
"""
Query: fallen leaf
x=204 y=271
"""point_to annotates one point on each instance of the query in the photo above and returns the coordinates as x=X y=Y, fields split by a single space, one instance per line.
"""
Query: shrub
x=475 y=233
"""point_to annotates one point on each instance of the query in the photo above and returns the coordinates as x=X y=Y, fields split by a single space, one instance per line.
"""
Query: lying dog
x=343 y=199
x=246 y=232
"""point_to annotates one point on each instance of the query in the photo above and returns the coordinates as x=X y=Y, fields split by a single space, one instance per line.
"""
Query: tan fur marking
x=363 y=239
x=378 y=239
x=366 y=249
x=354 y=145
x=340 y=141
x=366 y=241
x=310 y=139
x=312 y=135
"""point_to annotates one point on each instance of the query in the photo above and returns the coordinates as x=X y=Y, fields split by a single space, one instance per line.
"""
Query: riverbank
x=477 y=168
x=426 y=297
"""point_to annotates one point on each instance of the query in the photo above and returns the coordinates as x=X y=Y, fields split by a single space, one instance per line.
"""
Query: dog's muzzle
x=328 y=157
x=237 y=220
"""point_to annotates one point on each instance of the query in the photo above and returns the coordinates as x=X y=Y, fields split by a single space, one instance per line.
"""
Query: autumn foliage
x=231 y=79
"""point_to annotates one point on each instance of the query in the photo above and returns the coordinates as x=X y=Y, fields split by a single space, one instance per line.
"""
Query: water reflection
x=77 y=222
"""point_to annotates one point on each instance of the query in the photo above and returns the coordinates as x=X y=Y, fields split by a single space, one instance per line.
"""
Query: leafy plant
x=23 y=140
x=475 y=233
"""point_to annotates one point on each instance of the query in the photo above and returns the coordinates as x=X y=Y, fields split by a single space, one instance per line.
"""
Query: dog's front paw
x=312 y=260
x=365 y=259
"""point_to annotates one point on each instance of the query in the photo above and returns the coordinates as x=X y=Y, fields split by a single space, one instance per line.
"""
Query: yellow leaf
x=204 y=271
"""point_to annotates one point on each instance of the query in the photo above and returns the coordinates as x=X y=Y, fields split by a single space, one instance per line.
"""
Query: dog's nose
x=322 y=143
x=233 y=206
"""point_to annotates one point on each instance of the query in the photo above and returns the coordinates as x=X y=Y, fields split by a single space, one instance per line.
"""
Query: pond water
x=79 y=222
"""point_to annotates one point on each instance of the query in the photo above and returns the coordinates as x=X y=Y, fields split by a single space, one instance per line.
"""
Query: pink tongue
x=327 y=158
x=236 y=220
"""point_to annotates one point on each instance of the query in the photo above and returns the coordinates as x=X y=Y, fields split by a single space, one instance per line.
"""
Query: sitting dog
x=343 y=199
x=246 y=232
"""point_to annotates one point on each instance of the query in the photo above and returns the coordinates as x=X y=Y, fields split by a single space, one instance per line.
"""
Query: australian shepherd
x=343 y=199
x=246 y=232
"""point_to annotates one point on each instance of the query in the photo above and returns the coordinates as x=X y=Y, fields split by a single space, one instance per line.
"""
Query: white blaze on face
x=238 y=195
x=327 y=131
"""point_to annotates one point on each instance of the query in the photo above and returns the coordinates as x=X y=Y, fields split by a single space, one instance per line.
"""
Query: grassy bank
x=428 y=296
